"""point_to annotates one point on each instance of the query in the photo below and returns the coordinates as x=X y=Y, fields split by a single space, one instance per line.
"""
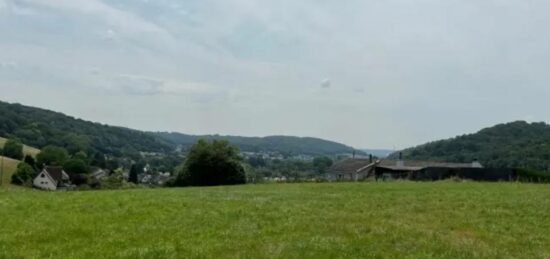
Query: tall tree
x=135 y=170
x=52 y=155
x=212 y=163
x=13 y=149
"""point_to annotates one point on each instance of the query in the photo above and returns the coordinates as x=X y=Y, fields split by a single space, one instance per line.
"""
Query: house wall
x=43 y=181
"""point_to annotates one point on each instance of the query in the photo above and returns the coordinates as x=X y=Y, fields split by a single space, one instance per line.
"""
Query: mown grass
x=8 y=167
x=340 y=220
x=27 y=150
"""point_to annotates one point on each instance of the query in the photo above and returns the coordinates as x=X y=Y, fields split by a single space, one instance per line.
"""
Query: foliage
x=212 y=163
x=526 y=175
x=24 y=175
x=29 y=160
x=40 y=128
x=513 y=145
x=135 y=171
x=343 y=220
x=282 y=144
x=322 y=164
x=13 y=149
x=52 y=155
x=76 y=166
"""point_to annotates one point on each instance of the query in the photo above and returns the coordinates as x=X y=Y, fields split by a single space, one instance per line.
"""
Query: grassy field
x=346 y=220
x=26 y=149
x=9 y=167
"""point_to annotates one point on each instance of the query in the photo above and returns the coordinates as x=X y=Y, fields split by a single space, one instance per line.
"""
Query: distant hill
x=283 y=144
x=517 y=145
x=38 y=128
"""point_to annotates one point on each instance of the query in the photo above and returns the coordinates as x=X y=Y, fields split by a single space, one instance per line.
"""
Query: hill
x=518 y=145
x=38 y=127
x=321 y=220
x=27 y=150
x=8 y=167
x=282 y=144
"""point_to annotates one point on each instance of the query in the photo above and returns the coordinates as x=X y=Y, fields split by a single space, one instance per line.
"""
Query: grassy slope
x=26 y=149
x=296 y=220
x=10 y=166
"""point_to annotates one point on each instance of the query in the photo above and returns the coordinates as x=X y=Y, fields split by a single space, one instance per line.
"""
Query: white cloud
x=259 y=64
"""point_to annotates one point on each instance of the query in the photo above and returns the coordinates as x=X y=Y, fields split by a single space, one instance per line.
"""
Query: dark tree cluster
x=211 y=163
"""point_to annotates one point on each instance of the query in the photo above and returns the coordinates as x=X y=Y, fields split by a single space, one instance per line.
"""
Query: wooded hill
x=283 y=144
x=517 y=145
x=39 y=127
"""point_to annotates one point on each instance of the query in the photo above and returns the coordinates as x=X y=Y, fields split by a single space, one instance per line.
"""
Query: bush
x=13 y=149
x=24 y=175
x=525 y=175
x=211 y=163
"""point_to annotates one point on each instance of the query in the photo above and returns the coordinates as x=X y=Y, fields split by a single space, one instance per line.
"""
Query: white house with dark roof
x=51 y=178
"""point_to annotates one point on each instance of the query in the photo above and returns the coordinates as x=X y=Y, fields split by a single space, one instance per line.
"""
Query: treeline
x=39 y=128
x=512 y=145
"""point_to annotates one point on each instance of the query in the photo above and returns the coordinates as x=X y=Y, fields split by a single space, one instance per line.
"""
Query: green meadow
x=328 y=220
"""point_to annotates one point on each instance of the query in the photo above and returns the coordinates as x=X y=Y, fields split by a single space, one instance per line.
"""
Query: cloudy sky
x=368 y=73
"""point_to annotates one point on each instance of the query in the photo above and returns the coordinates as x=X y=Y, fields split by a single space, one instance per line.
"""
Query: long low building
x=361 y=169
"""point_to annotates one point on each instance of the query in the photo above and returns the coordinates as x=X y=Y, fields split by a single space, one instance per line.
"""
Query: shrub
x=24 y=175
x=13 y=149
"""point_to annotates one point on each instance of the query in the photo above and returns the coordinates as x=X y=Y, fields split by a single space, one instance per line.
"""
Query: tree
x=24 y=175
x=52 y=155
x=76 y=166
x=135 y=170
x=211 y=163
x=29 y=160
x=322 y=164
x=13 y=149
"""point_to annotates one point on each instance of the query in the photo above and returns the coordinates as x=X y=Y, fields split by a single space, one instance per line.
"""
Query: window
x=42 y=176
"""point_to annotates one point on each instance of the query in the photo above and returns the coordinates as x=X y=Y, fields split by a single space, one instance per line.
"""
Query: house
x=52 y=178
x=98 y=173
x=361 y=169
x=351 y=169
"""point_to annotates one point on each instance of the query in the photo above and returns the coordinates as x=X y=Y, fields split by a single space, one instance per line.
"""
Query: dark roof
x=55 y=172
x=418 y=165
x=349 y=166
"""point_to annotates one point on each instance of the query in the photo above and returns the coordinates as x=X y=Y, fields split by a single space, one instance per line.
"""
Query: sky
x=367 y=73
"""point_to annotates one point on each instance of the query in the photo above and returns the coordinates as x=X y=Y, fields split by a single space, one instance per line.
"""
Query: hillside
x=8 y=167
x=283 y=144
x=27 y=150
x=38 y=127
x=517 y=144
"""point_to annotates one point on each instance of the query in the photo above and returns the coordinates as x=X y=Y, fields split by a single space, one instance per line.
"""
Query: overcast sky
x=368 y=73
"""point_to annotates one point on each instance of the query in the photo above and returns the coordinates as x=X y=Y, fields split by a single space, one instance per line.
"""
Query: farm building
x=51 y=178
x=361 y=169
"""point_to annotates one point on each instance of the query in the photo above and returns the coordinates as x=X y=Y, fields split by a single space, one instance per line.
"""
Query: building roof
x=418 y=165
x=348 y=166
x=55 y=172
